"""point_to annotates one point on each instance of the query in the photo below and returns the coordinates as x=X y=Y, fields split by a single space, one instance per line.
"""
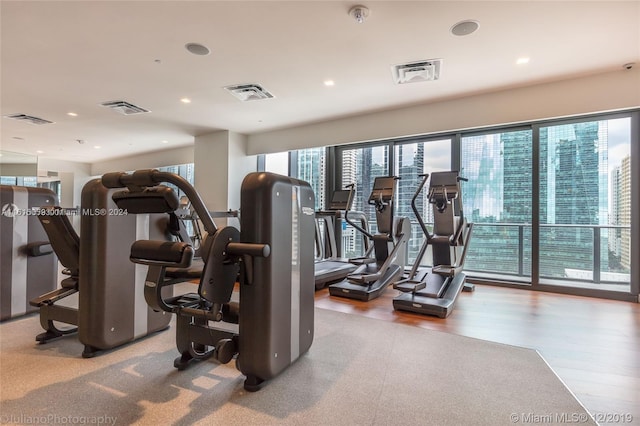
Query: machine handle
x=251 y=249
x=414 y=207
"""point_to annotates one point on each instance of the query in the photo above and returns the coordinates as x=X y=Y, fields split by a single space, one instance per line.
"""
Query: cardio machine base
x=330 y=271
x=366 y=292
x=421 y=303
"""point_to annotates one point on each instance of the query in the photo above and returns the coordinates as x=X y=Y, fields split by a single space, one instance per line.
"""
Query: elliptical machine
x=433 y=291
x=273 y=324
x=375 y=274
x=330 y=265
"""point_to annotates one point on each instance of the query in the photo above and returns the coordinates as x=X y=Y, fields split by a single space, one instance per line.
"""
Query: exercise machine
x=375 y=274
x=110 y=309
x=330 y=265
x=28 y=266
x=433 y=291
x=272 y=325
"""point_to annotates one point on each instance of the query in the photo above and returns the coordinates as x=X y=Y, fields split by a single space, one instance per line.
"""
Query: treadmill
x=330 y=266
x=433 y=291
x=375 y=274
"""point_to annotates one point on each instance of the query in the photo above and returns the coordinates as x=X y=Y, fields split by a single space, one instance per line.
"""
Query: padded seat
x=194 y=272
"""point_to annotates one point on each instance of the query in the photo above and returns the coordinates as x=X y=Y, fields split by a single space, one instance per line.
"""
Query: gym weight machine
x=272 y=325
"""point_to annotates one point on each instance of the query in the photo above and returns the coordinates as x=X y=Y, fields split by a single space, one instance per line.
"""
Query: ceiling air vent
x=124 y=107
x=415 y=72
x=28 y=118
x=249 y=92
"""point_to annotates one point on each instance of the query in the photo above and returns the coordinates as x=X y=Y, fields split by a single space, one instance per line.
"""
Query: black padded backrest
x=63 y=238
x=159 y=199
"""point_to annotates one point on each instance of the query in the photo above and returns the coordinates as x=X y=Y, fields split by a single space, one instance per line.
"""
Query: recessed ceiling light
x=72 y=114
x=522 y=61
x=465 y=27
x=329 y=83
x=185 y=100
x=165 y=141
x=97 y=146
x=39 y=152
x=197 y=49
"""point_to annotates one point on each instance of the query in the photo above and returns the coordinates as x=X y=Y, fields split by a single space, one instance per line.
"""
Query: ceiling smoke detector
x=415 y=72
x=359 y=13
x=249 y=92
x=28 y=118
x=124 y=107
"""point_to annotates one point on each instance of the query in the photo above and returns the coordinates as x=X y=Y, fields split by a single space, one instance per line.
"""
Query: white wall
x=240 y=164
x=149 y=160
x=595 y=93
x=73 y=176
x=18 y=169
x=211 y=165
x=221 y=163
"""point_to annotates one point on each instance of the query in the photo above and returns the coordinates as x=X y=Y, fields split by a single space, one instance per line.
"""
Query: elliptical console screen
x=383 y=188
x=339 y=200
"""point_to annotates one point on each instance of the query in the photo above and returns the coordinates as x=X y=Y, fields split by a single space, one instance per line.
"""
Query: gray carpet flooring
x=359 y=371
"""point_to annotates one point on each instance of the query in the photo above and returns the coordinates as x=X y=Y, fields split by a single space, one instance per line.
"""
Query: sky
x=619 y=140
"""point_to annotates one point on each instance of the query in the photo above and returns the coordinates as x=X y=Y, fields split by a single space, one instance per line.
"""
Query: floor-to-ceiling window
x=497 y=199
x=277 y=163
x=550 y=200
x=311 y=167
x=585 y=202
x=186 y=171
x=360 y=166
x=413 y=159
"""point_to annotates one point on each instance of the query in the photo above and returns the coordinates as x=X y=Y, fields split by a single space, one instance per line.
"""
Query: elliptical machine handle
x=425 y=177
x=352 y=188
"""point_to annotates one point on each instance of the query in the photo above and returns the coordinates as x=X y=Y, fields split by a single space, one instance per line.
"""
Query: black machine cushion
x=162 y=253
x=63 y=238
x=193 y=272
x=159 y=199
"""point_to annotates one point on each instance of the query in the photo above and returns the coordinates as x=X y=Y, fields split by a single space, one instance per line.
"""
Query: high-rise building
x=615 y=234
x=498 y=192
x=572 y=193
x=624 y=207
x=361 y=166
x=312 y=169
x=409 y=165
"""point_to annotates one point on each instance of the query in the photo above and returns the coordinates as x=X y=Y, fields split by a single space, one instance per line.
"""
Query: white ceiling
x=60 y=57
